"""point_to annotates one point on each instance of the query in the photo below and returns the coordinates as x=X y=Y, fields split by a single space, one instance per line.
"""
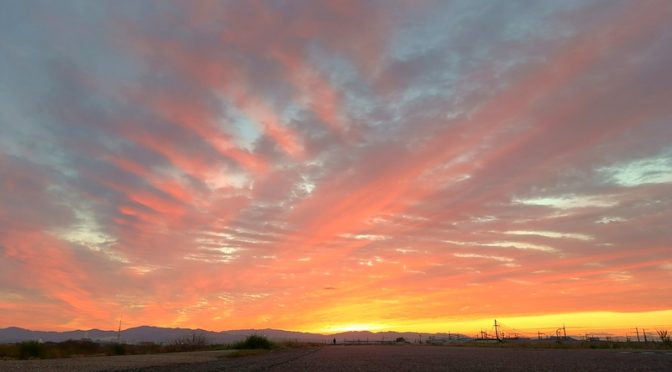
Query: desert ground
x=369 y=358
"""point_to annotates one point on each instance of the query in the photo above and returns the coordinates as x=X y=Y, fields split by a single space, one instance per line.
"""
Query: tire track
x=291 y=359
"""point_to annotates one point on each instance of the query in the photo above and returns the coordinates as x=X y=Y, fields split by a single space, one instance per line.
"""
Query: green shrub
x=30 y=350
x=9 y=351
x=253 y=342
x=195 y=341
x=295 y=344
x=118 y=349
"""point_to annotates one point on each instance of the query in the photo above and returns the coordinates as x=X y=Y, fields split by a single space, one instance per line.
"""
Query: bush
x=9 y=351
x=195 y=341
x=253 y=342
x=664 y=337
x=72 y=348
x=295 y=344
x=30 y=350
x=118 y=349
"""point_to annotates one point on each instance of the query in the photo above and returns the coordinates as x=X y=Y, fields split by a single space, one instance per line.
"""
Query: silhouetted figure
x=334 y=341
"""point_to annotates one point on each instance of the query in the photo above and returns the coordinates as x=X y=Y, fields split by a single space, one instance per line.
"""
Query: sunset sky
x=335 y=165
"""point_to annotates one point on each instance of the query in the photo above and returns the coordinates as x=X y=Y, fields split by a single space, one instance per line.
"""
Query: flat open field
x=370 y=358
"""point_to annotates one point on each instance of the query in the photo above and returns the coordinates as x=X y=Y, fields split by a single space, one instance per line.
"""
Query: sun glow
x=352 y=327
x=577 y=324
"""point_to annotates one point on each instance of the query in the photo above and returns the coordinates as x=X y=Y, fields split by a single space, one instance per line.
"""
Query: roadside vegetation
x=68 y=349
x=568 y=344
x=256 y=344
x=253 y=342
x=251 y=345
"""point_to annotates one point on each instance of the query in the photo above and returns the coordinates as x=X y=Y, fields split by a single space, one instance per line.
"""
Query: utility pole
x=637 y=329
x=497 y=330
x=119 y=330
x=644 y=332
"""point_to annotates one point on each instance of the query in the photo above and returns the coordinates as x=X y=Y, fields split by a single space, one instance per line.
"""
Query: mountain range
x=168 y=335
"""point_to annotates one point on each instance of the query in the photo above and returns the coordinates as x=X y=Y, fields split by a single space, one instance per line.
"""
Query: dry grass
x=246 y=353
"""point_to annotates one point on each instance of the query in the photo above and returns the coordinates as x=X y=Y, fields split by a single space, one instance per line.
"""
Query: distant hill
x=168 y=335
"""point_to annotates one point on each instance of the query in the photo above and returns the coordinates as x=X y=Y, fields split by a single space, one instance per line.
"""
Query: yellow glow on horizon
x=350 y=327
x=577 y=323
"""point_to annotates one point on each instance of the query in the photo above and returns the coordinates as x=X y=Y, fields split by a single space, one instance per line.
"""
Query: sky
x=336 y=165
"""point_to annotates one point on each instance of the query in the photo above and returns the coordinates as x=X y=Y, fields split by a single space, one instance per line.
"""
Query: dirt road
x=429 y=358
x=111 y=363
x=380 y=358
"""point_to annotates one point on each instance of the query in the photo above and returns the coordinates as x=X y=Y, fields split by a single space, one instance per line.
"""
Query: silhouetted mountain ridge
x=168 y=335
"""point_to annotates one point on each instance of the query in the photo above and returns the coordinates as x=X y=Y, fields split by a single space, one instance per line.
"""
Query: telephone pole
x=497 y=330
x=119 y=330
x=637 y=329
x=644 y=332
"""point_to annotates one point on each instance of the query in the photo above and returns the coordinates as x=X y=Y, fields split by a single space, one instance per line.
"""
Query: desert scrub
x=253 y=342
x=293 y=344
x=30 y=350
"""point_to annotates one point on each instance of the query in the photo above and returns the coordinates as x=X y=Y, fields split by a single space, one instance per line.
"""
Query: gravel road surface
x=370 y=358
x=111 y=363
x=438 y=358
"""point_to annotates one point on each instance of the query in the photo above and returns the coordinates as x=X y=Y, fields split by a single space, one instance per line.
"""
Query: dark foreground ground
x=401 y=358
